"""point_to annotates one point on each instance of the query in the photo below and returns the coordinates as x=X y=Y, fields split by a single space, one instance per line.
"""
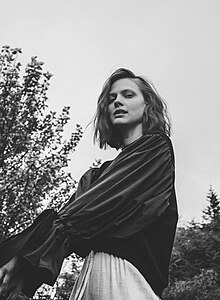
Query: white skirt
x=106 y=277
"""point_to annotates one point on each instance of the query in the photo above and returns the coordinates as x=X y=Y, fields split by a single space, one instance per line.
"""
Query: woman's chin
x=120 y=121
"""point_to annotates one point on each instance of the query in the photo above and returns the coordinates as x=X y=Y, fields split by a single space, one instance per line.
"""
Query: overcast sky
x=175 y=43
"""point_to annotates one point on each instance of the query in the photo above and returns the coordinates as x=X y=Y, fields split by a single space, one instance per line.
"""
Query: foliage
x=203 y=286
x=97 y=163
x=195 y=248
x=33 y=154
x=67 y=279
x=65 y=282
x=195 y=261
x=212 y=212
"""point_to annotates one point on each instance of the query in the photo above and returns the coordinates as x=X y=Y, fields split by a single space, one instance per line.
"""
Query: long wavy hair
x=155 y=117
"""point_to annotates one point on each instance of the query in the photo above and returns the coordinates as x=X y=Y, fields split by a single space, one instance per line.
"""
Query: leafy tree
x=67 y=279
x=33 y=153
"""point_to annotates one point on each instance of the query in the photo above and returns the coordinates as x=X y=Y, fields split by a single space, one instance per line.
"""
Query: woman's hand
x=8 y=281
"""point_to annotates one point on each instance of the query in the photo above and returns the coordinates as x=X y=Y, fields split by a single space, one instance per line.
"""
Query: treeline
x=195 y=261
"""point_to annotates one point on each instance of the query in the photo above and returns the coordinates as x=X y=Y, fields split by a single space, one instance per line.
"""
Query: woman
x=122 y=217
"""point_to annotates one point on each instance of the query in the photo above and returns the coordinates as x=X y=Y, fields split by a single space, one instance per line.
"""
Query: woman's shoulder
x=164 y=137
x=94 y=172
x=168 y=142
x=159 y=139
x=158 y=134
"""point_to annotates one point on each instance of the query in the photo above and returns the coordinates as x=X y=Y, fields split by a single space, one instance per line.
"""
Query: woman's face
x=126 y=104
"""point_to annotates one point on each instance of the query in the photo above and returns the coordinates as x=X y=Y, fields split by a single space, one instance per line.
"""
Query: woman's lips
x=119 y=112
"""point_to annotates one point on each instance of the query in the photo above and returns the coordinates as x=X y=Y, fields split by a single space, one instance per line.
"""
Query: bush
x=202 y=287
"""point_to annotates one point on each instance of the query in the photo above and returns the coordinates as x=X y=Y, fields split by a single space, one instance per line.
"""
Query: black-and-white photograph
x=109 y=150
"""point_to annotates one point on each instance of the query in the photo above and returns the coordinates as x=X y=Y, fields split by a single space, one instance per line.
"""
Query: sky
x=174 y=43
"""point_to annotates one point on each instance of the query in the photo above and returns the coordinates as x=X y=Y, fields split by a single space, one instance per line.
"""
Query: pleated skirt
x=106 y=277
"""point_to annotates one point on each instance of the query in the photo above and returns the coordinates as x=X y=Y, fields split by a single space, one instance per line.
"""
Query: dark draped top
x=127 y=208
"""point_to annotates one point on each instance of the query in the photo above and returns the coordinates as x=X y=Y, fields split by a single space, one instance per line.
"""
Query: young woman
x=122 y=217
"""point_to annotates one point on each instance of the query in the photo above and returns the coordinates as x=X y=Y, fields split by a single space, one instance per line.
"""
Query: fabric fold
x=40 y=251
x=134 y=189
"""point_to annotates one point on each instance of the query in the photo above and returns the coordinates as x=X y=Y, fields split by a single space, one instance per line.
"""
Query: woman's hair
x=155 y=116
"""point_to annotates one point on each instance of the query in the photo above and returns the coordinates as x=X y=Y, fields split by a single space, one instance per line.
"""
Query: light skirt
x=106 y=277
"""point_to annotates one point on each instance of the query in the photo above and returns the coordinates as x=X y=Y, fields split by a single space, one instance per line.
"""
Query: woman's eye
x=111 y=99
x=129 y=95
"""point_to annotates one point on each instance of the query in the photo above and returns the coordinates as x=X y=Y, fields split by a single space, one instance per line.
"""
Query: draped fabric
x=131 y=193
x=104 y=276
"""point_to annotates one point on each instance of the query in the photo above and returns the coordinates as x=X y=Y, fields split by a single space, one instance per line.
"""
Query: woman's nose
x=118 y=101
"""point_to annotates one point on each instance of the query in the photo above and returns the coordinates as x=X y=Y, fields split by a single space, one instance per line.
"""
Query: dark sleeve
x=39 y=249
x=130 y=194
x=37 y=246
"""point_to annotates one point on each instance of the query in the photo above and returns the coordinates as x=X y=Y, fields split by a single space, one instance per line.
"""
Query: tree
x=212 y=212
x=67 y=279
x=204 y=286
x=33 y=153
x=195 y=260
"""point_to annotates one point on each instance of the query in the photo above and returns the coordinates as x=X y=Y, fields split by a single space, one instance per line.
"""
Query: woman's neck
x=129 y=135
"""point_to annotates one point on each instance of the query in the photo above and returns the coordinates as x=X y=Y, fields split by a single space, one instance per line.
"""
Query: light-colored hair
x=155 y=116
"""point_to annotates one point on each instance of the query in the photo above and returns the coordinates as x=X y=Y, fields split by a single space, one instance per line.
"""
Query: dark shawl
x=131 y=193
